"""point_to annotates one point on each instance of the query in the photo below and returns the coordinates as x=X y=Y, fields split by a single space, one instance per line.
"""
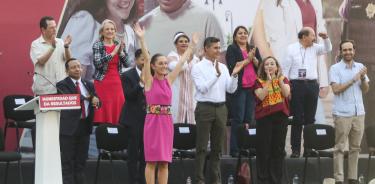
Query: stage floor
x=179 y=171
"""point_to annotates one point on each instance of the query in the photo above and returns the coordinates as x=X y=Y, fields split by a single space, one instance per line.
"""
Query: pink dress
x=110 y=93
x=158 y=129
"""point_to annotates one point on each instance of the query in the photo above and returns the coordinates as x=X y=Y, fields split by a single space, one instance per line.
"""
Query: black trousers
x=303 y=105
x=74 y=151
x=270 y=150
x=136 y=157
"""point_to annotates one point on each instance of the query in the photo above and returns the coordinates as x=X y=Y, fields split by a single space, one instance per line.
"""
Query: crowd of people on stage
x=192 y=86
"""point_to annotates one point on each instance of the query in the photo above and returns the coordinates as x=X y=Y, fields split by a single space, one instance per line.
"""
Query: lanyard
x=303 y=56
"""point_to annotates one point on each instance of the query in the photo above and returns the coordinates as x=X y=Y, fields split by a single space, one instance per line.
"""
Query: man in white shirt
x=212 y=81
x=301 y=67
x=49 y=54
x=349 y=82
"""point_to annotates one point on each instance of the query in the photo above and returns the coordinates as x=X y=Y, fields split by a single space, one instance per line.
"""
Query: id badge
x=302 y=73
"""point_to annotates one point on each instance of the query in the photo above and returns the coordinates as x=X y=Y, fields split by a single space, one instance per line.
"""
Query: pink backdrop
x=19 y=26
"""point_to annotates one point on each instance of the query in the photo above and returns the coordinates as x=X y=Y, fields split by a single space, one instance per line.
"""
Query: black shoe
x=295 y=154
x=352 y=181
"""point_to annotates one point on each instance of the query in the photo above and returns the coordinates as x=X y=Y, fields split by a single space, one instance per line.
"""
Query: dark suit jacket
x=71 y=119
x=134 y=111
x=234 y=55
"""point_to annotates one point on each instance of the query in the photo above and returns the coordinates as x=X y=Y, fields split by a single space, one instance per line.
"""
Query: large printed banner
x=82 y=21
x=273 y=25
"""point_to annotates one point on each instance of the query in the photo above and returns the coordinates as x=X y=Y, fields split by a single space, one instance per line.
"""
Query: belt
x=304 y=81
x=215 y=104
x=159 y=109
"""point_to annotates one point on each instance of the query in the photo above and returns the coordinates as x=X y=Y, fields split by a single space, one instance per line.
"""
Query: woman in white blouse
x=183 y=102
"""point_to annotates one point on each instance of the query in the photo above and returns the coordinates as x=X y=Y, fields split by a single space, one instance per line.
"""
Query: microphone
x=45 y=78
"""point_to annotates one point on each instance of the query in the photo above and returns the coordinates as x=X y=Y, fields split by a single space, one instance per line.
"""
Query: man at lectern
x=49 y=54
x=76 y=124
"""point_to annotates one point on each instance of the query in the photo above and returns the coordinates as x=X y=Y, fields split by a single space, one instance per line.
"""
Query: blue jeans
x=242 y=111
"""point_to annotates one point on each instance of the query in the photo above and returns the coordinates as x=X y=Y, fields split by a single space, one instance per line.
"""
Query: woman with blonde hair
x=85 y=22
x=109 y=57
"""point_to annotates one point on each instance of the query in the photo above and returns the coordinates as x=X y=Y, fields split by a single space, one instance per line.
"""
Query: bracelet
x=66 y=46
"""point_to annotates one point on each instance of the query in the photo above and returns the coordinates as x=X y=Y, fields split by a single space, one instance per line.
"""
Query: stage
x=179 y=171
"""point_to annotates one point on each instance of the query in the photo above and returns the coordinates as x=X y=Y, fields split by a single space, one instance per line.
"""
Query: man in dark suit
x=132 y=117
x=76 y=125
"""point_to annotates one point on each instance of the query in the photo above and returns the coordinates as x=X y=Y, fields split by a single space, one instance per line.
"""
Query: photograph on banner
x=82 y=20
x=210 y=18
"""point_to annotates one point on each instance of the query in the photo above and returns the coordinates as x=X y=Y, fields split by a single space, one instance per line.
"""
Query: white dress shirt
x=84 y=93
x=283 y=22
x=298 y=57
x=209 y=87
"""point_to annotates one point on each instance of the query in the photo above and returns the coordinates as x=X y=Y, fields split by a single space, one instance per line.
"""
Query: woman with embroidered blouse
x=271 y=113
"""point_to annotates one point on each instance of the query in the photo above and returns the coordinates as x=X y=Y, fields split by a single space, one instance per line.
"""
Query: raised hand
x=251 y=54
x=122 y=46
x=138 y=30
x=237 y=68
x=53 y=42
x=363 y=71
x=218 y=73
x=67 y=41
x=116 y=50
x=323 y=35
x=269 y=77
x=360 y=74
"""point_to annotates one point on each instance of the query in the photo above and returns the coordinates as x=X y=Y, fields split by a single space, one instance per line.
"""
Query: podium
x=47 y=153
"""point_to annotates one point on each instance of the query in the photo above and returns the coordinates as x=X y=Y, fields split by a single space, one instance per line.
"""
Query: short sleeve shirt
x=349 y=102
x=53 y=69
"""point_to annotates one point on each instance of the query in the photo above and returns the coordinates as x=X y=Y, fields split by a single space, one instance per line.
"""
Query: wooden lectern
x=47 y=153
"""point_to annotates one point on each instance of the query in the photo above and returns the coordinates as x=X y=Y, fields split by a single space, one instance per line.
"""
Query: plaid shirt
x=101 y=60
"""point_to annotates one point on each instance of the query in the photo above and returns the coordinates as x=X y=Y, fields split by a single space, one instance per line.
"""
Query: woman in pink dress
x=158 y=129
x=109 y=58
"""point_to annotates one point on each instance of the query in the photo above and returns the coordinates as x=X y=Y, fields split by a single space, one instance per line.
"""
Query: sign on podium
x=47 y=149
